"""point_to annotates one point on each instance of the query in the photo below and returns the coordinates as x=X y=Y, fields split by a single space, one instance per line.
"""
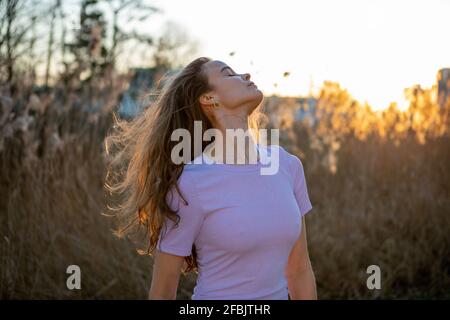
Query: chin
x=258 y=98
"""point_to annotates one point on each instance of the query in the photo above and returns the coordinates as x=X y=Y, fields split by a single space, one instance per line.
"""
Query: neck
x=234 y=122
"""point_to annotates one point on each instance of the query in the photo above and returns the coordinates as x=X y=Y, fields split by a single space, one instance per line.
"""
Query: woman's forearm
x=302 y=286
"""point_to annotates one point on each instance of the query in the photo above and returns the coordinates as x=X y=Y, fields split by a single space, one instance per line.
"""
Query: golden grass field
x=377 y=199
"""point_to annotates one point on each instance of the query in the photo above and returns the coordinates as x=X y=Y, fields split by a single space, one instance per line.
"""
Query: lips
x=251 y=84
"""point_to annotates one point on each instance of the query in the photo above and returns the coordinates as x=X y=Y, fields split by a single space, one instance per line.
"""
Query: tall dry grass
x=386 y=205
x=52 y=173
x=382 y=202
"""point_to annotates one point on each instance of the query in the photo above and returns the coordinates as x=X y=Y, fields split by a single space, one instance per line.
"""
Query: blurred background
x=358 y=89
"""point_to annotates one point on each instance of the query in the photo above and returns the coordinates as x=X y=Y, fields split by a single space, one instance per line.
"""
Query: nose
x=246 y=76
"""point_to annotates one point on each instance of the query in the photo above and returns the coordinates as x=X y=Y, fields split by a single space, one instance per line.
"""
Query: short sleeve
x=300 y=187
x=178 y=240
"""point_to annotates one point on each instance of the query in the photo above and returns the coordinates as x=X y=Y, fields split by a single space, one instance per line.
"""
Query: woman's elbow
x=158 y=291
x=166 y=274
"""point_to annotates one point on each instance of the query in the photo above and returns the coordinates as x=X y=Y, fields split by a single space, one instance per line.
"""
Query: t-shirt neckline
x=235 y=167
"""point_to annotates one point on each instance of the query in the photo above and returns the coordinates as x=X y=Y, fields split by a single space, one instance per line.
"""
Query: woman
x=242 y=231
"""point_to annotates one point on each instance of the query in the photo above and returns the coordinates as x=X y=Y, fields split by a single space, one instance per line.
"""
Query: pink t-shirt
x=243 y=224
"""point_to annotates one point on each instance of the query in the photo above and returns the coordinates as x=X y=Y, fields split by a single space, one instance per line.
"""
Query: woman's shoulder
x=274 y=150
x=289 y=159
x=185 y=184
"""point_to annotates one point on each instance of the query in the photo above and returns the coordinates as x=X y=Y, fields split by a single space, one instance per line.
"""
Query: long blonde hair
x=140 y=169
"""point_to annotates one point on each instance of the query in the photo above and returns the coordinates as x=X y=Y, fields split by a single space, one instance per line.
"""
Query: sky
x=374 y=49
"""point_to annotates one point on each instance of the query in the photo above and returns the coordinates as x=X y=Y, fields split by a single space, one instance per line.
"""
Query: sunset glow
x=375 y=49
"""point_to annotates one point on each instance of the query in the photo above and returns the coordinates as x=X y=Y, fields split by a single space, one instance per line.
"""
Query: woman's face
x=231 y=90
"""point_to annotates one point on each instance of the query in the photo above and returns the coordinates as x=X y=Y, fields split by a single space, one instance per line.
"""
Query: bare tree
x=173 y=48
x=129 y=11
x=54 y=8
x=17 y=19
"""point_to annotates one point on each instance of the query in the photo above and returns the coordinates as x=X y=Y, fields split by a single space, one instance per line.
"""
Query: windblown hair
x=140 y=169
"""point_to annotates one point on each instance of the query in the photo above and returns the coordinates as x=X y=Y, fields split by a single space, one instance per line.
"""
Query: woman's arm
x=299 y=273
x=166 y=275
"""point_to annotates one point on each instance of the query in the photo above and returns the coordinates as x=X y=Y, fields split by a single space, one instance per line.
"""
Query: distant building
x=308 y=107
x=133 y=100
x=443 y=81
x=141 y=82
x=128 y=107
x=281 y=109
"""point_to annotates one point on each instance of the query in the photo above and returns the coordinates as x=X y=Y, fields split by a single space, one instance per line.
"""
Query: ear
x=206 y=99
